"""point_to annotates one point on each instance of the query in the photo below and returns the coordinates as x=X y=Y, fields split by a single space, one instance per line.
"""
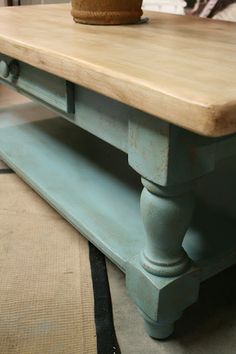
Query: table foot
x=161 y=329
x=161 y=300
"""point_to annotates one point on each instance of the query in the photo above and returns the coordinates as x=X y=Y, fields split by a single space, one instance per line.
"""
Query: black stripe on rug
x=5 y=171
x=106 y=337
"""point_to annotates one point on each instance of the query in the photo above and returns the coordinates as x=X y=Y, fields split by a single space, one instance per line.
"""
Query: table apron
x=159 y=151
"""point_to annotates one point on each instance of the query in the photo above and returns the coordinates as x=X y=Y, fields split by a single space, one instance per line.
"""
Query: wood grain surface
x=180 y=69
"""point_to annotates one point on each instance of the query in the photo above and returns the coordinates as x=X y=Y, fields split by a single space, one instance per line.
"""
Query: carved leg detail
x=166 y=213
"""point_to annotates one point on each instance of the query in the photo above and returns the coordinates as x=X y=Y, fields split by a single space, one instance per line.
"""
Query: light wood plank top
x=180 y=69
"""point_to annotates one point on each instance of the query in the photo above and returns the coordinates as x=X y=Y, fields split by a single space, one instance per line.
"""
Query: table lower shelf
x=91 y=184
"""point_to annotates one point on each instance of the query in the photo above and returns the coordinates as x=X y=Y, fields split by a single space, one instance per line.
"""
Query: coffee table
x=156 y=101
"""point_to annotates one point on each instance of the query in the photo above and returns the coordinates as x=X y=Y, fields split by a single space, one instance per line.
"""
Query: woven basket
x=107 y=12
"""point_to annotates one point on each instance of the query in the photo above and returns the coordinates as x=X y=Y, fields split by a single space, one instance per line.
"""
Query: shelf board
x=91 y=184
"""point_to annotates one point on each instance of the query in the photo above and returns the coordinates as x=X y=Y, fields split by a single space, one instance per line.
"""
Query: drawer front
x=47 y=88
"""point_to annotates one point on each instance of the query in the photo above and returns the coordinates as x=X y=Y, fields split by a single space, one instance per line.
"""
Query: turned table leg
x=163 y=281
x=166 y=213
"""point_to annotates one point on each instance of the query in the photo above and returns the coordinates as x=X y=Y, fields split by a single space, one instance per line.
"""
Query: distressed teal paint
x=148 y=149
x=92 y=185
x=166 y=214
x=103 y=117
x=70 y=167
x=38 y=85
x=165 y=154
x=161 y=300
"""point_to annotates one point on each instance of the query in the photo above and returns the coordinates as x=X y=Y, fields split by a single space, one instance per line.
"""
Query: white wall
x=170 y=6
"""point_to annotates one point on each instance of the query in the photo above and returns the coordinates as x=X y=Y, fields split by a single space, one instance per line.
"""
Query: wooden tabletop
x=178 y=68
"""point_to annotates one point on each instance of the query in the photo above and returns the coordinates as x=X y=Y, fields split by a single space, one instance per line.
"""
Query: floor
x=208 y=327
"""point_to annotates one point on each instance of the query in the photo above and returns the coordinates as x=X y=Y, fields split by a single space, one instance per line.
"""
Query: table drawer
x=47 y=88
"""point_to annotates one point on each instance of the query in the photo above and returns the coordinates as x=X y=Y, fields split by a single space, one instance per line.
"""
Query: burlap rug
x=54 y=296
